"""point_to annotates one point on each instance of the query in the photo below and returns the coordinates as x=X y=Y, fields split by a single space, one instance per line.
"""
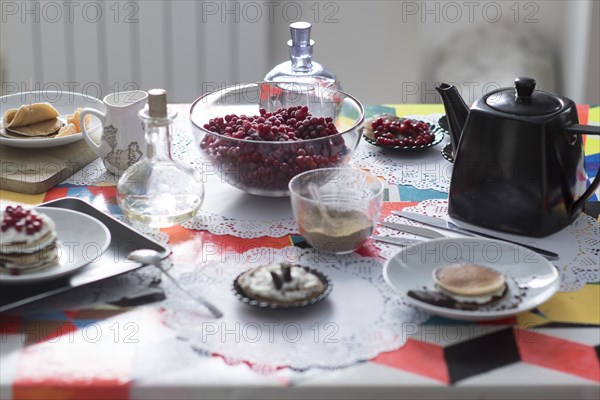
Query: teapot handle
x=587 y=194
x=585 y=130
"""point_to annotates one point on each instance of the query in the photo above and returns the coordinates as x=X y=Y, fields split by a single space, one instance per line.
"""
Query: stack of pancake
x=27 y=241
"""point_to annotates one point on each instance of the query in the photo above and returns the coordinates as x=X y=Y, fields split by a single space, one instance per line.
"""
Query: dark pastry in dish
x=282 y=285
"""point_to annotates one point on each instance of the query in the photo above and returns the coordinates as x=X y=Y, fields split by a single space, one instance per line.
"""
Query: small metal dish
x=443 y=123
x=447 y=153
x=241 y=295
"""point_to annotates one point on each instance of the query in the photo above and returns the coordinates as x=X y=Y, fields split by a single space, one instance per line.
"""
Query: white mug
x=123 y=141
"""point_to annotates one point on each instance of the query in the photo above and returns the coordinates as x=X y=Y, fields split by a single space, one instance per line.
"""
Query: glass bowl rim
x=293 y=192
x=232 y=88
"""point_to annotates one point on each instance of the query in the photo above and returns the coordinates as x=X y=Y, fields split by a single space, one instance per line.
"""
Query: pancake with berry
x=28 y=241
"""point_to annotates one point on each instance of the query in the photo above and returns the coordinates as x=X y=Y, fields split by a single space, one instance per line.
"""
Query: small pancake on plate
x=39 y=129
x=470 y=283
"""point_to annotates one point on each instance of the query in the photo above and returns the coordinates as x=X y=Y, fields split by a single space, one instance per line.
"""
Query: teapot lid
x=523 y=100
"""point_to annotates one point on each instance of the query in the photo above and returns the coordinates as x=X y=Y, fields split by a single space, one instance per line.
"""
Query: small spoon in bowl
x=152 y=257
x=313 y=189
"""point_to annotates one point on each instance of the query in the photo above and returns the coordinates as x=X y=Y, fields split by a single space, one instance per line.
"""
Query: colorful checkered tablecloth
x=117 y=350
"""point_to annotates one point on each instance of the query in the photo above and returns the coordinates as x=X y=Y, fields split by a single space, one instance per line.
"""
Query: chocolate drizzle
x=277 y=280
x=509 y=299
x=286 y=272
x=434 y=298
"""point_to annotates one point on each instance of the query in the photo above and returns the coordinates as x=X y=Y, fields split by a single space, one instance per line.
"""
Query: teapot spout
x=457 y=112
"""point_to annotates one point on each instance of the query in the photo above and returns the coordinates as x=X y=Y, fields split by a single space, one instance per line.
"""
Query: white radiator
x=191 y=46
x=98 y=47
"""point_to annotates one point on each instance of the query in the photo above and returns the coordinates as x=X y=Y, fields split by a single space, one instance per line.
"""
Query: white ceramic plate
x=531 y=279
x=65 y=103
x=81 y=239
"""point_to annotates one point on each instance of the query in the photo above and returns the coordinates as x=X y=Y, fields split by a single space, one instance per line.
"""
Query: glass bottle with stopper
x=158 y=190
x=301 y=67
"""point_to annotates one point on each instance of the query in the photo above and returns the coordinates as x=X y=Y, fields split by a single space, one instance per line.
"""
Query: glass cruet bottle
x=158 y=190
x=301 y=67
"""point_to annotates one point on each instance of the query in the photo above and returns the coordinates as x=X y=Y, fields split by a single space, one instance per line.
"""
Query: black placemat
x=112 y=263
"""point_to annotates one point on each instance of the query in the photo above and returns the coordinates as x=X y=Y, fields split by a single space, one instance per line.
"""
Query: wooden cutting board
x=33 y=171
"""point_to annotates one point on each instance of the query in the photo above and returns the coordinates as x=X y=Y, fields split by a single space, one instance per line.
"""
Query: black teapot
x=518 y=159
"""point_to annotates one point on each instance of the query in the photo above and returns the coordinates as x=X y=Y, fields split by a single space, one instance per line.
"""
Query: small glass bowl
x=266 y=167
x=351 y=200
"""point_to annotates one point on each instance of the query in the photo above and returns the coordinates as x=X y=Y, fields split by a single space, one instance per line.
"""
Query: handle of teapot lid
x=524 y=87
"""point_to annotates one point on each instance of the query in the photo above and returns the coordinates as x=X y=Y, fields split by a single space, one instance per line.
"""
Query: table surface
x=51 y=355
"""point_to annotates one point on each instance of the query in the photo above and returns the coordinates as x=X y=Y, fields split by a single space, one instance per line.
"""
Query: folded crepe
x=37 y=119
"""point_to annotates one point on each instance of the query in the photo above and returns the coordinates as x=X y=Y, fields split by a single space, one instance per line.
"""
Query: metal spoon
x=152 y=257
x=313 y=189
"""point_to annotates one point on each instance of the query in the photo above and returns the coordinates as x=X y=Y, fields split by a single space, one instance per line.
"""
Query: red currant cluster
x=283 y=125
x=401 y=132
x=19 y=218
x=262 y=163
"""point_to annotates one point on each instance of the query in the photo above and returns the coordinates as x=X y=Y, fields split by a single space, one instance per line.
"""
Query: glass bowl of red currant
x=397 y=133
x=260 y=135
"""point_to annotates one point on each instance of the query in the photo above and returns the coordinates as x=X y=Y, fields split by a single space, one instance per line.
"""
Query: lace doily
x=229 y=211
x=216 y=215
x=224 y=223
x=245 y=228
x=578 y=245
x=91 y=174
x=425 y=169
x=585 y=267
x=182 y=145
x=361 y=318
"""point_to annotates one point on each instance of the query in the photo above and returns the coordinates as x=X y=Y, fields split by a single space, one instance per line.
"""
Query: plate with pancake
x=471 y=279
x=48 y=243
x=40 y=119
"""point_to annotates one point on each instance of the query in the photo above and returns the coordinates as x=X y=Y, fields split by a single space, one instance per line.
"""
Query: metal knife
x=415 y=230
x=396 y=240
x=449 y=226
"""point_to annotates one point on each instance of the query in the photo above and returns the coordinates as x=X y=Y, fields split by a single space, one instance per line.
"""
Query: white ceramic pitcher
x=123 y=141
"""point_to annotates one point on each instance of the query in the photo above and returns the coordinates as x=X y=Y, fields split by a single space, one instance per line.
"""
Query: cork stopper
x=300 y=32
x=157 y=103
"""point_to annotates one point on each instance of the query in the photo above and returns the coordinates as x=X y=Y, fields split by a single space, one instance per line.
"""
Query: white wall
x=592 y=82
x=575 y=48
x=378 y=48
x=541 y=19
x=366 y=44
x=99 y=47
x=381 y=49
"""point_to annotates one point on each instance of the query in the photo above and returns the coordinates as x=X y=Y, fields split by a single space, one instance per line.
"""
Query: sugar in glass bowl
x=262 y=163
x=339 y=214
